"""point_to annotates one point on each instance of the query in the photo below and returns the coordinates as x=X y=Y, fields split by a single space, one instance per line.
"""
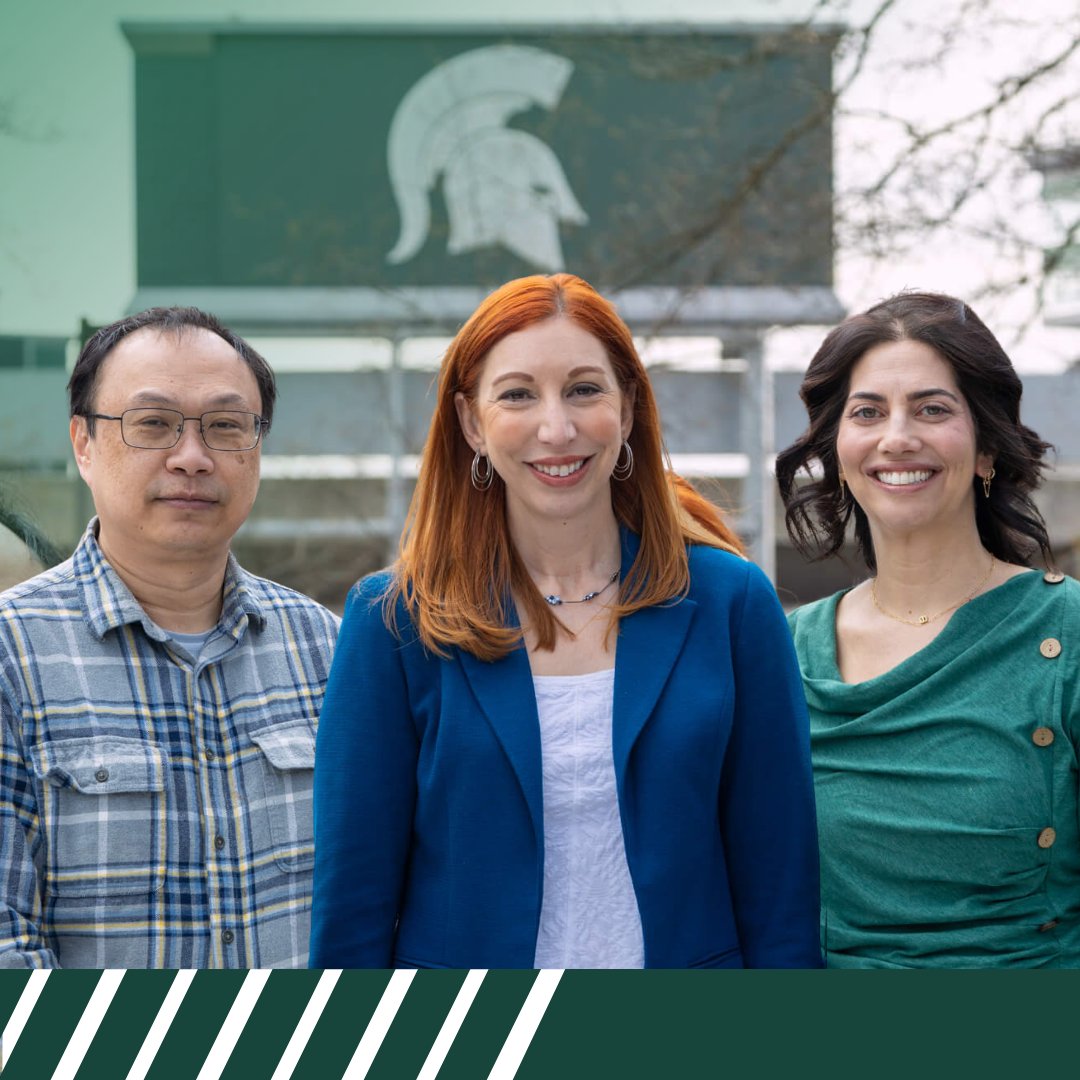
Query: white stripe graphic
x=379 y=1024
x=451 y=1025
x=316 y=1003
x=27 y=1000
x=233 y=1027
x=528 y=1020
x=159 y=1028
x=88 y=1024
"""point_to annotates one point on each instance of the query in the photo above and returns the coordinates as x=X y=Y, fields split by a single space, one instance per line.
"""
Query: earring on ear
x=622 y=470
x=986 y=481
x=843 y=487
x=481 y=480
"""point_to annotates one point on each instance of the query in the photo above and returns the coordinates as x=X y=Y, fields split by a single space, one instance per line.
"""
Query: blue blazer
x=429 y=830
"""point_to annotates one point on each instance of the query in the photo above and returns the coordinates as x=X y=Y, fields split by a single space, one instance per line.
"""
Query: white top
x=589 y=917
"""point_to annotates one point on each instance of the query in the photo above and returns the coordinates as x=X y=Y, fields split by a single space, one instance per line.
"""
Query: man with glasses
x=158 y=703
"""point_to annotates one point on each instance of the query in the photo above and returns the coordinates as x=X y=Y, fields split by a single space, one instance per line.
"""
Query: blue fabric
x=428 y=802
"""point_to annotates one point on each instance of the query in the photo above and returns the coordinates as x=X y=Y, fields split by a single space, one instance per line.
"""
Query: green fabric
x=931 y=793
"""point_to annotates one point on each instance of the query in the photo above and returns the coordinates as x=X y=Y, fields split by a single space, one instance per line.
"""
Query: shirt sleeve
x=22 y=942
x=365 y=792
x=767 y=803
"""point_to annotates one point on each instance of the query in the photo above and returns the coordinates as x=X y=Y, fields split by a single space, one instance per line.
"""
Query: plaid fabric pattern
x=155 y=811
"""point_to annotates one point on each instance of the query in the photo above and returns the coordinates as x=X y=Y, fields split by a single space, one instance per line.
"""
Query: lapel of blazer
x=649 y=644
x=505 y=692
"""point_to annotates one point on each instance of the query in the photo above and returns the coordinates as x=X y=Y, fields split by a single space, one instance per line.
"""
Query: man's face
x=185 y=502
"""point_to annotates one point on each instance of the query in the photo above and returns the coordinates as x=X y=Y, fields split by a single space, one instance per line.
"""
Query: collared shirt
x=155 y=810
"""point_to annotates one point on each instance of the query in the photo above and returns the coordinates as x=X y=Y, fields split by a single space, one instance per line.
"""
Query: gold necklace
x=922 y=620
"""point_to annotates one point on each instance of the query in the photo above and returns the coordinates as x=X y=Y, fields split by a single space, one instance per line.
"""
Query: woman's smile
x=895 y=478
x=557 y=471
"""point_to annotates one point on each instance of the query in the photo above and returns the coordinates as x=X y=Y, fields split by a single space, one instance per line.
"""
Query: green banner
x=388 y=159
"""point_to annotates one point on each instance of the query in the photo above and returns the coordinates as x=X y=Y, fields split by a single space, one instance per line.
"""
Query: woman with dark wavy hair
x=566 y=728
x=944 y=694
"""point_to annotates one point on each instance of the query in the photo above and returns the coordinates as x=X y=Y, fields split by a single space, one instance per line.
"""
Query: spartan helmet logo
x=500 y=186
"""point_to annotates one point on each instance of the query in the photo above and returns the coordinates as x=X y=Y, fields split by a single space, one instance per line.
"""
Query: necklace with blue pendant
x=556 y=601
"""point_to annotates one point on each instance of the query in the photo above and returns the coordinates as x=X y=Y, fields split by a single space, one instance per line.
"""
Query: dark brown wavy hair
x=818 y=511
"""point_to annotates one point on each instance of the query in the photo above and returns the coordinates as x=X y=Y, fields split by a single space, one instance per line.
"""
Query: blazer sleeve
x=767 y=792
x=365 y=790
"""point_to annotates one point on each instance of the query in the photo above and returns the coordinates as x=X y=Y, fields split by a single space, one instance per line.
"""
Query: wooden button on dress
x=1047 y=838
x=1053 y=577
x=1042 y=736
x=1050 y=648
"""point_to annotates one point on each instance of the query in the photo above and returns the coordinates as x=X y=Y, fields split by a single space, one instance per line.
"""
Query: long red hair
x=457 y=567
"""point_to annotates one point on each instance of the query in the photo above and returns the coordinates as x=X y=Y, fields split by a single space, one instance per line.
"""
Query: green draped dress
x=947 y=788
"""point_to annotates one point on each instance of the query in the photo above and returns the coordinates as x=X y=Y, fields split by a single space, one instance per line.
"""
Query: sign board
x=368 y=158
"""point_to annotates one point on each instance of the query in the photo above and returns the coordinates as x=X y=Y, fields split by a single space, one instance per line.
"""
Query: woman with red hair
x=566 y=728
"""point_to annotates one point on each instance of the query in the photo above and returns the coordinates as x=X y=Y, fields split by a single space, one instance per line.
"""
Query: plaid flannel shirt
x=156 y=811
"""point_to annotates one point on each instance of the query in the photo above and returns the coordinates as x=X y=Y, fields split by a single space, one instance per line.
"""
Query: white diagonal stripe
x=88 y=1024
x=160 y=1027
x=17 y=1021
x=233 y=1027
x=379 y=1024
x=528 y=1020
x=451 y=1025
x=316 y=1003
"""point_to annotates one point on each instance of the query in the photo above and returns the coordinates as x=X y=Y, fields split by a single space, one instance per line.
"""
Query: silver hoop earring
x=623 y=471
x=481 y=480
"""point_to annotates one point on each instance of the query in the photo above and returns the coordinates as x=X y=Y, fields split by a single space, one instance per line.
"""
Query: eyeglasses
x=160 y=429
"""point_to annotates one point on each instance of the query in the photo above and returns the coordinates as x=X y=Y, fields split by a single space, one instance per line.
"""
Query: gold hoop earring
x=481 y=480
x=986 y=481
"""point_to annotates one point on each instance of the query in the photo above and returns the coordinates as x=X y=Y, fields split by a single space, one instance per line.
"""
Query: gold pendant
x=924 y=619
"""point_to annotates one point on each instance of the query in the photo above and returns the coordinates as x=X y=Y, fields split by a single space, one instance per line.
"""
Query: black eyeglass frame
x=262 y=426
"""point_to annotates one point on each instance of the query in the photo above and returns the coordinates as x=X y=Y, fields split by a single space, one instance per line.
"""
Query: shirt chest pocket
x=103 y=810
x=281 y=775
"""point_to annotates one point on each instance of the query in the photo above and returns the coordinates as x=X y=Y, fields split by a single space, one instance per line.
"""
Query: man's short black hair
x=173 y=320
